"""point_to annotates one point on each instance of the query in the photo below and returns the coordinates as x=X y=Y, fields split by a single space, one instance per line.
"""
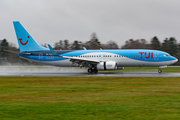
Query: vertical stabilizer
x=25 y=40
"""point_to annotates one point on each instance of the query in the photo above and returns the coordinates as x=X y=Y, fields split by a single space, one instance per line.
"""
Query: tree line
x=169 y=45
x=92 y=44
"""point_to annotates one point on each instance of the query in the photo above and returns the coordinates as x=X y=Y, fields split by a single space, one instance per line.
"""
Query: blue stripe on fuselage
x=159 y=54
x=47 y=55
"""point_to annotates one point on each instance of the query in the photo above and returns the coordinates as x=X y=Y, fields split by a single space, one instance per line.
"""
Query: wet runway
x=34 y=71
x=84 y=74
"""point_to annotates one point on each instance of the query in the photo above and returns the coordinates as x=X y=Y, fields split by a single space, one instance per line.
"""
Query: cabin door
x=40 y=57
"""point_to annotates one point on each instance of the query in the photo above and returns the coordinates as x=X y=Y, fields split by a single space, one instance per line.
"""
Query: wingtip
x=84 y=48
x=49 y=45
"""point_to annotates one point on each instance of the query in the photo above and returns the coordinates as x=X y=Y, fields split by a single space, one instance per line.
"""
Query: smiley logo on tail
x=20 y=39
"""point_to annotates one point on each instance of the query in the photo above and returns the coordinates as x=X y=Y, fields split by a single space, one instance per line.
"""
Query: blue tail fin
x=25 y=40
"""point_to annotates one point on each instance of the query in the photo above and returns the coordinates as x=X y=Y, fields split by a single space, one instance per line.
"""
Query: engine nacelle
x=110 y=65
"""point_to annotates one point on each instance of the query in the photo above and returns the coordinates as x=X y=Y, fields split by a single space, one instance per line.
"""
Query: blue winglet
x=84 y=48
x=53 y=52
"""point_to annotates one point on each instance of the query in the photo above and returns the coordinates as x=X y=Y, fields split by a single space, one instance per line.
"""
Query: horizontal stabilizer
x=15 y=52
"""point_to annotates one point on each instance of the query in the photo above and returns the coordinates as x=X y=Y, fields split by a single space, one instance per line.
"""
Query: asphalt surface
x=34 y=71
x=85 y=74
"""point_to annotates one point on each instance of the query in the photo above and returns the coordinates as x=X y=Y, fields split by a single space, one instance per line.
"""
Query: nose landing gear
x=159 y=71
x=92 y=70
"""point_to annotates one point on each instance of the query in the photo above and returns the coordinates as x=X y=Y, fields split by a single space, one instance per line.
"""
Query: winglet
x=84 y=48
x=53 y=52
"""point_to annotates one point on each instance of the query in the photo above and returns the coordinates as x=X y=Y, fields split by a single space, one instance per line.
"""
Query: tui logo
x=20 y=39
x=146 y=56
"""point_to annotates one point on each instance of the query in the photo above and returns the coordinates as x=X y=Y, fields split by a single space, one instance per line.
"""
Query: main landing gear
x=92 y=70
x=159 y=71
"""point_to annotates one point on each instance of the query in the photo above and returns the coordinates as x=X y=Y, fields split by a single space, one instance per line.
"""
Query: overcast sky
x=49 y=21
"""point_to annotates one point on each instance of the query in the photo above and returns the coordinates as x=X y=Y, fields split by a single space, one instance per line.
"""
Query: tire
x=90 y=70
x=95 y=71
x=159 y=71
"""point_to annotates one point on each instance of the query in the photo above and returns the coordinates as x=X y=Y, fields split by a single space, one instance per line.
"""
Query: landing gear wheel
x=95 y=70
x=90 y=70
x=159 y=71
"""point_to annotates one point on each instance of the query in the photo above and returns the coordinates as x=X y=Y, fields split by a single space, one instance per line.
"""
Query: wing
x=81 y=61
x=77 y=60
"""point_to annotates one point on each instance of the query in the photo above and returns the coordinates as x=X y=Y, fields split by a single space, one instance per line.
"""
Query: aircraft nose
x=174 y=60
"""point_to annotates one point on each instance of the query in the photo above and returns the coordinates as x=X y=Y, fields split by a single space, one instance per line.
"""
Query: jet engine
x=110 y=65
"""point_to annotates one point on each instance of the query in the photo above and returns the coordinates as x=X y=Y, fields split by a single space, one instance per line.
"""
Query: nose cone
x=174 y=60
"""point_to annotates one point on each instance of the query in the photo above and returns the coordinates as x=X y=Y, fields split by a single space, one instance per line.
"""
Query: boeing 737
x=94 y=60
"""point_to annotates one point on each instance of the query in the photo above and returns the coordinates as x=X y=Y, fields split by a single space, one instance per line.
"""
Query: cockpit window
x=166 y=55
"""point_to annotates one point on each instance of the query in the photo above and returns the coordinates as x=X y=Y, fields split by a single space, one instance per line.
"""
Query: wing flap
x=77 y=60
x=81 y=59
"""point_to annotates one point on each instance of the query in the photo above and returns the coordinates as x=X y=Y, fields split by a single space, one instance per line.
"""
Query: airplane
x=94 y=60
